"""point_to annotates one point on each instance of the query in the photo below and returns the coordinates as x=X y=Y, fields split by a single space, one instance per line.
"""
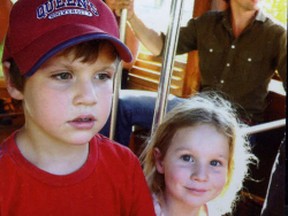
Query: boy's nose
x=85 y=94
x=199 y=173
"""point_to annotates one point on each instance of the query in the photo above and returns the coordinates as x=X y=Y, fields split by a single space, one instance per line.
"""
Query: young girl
x=197 y=158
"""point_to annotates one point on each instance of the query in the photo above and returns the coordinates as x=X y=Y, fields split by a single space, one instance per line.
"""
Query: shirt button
x=228 y=65
x=249 y=59
x=210 y=50
x=221 y=81
x=233 y=46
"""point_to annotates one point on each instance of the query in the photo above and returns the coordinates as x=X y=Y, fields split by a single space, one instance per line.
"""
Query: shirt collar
x=226 y=20
x=260 y=16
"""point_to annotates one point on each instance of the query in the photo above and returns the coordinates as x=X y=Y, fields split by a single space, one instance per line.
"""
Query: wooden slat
x=145 y=74
x=3 y=90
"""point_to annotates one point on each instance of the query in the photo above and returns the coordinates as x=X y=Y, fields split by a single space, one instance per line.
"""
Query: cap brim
x=65 y=36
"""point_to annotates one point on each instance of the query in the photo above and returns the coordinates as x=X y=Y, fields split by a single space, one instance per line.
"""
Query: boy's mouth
x=83 y=122
x=85 y=119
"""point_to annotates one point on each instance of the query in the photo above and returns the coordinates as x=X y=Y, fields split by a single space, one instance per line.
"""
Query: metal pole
x=118 y=78
x=167 y=62
x=265 y=126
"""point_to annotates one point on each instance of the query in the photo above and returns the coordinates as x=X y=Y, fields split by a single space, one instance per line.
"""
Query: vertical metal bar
x=167 y=62
x=118 y=78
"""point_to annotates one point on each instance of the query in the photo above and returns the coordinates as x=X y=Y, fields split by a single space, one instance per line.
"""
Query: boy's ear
x=12 y=90
x=158 y=160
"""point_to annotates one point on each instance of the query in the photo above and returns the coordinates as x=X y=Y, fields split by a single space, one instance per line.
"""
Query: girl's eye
x=215 y=163
x=62 y=76
x=187 y=158
x=103 y=76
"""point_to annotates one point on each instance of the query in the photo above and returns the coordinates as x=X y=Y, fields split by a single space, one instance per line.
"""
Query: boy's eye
x=103 y=76
x=215 y=163
x=63 y=76
x=187 y=158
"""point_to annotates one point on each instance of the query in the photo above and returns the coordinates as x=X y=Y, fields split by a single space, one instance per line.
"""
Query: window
x=146 y=71
x=152 y=10
x=155 y=14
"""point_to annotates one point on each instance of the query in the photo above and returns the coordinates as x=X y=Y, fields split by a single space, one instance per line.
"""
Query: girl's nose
x=199 y=173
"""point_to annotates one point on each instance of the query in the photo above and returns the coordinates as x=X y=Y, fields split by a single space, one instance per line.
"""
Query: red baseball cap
x=38 y=29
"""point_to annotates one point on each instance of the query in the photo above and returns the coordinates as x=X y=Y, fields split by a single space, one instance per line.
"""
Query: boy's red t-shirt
x=111 y=182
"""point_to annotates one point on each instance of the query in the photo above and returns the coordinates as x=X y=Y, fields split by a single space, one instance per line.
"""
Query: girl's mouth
x=197 y=191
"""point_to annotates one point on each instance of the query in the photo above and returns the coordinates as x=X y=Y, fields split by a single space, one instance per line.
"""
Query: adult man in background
x=239 y=51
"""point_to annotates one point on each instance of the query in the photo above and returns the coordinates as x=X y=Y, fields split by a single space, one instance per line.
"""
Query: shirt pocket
x=211 y=60
x=248 y=66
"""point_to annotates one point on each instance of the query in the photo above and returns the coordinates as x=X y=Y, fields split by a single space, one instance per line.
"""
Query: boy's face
x=68 y=100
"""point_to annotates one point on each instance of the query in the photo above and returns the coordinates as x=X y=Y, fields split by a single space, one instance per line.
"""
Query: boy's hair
x=40 y=29
x=87 y=51
x=203 y=108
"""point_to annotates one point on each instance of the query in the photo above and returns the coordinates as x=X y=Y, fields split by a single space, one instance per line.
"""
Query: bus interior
x=145 y=74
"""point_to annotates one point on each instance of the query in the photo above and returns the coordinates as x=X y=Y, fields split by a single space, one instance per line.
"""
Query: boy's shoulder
x=103 y=152
x=106 y=146
x=4 y=145
x=106 y=142
x=6 y=164
x=102 y=145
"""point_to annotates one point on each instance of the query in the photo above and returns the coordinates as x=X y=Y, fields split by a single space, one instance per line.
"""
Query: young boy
x=60 y=58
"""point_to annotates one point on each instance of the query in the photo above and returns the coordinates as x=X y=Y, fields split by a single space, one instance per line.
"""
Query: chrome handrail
x=264 y=126
x=167 y=62
x=118 y=78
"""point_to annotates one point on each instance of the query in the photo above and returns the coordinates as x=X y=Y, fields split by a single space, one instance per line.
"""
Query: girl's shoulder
x=157 y=206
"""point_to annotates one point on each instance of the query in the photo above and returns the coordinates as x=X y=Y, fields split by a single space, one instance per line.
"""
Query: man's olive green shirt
x=239 y=67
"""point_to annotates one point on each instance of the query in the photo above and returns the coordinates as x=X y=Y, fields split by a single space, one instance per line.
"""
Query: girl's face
x=67 y=100
x=195 y=166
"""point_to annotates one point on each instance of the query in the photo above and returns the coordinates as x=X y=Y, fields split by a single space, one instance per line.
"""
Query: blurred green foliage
x=277 y=9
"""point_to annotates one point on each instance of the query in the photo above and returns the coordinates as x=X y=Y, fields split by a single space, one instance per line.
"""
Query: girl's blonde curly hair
x=203 y=108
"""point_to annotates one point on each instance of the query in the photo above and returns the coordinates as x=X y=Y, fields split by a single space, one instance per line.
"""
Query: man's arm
x=148 y=37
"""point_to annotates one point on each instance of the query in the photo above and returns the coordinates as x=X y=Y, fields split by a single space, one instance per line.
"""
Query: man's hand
x=124 y=4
